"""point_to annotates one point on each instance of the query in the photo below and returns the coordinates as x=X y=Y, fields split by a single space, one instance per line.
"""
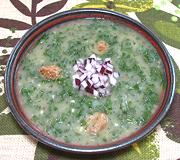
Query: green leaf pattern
x=164 y=24
x=122 y=6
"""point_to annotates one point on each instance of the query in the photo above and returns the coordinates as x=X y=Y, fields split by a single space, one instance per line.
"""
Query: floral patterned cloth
x=161 y=16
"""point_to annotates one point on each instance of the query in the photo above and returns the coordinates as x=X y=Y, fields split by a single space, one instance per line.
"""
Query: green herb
x=155 y=74
x=136 y=87
x=107 y=37
x=27 y=91
x=136 y=68
x=79 y=113
x=83 y=122
x=44 y=37
x=108 y=106
x=126 y=45
x=77 y=48
x=150 y=96
x=149 y=55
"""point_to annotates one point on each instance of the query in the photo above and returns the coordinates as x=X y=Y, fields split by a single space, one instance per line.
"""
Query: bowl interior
x=27 y=40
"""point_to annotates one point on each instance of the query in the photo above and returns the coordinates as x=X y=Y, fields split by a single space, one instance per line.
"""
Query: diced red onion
x=107 y=60
x=82 y=70
x=88 y=67
x=93 y=62
x=102 y=86
x=103 y=69
x=94 y=75
x=83 y=77
x=77 y=82
x=116 y=75
x=74 y=84
x=93 y=70
x=89 y=82
x=95 y=78
x=84 y=84
x=75 y=76
x=101 y=77
x=112 y=80
x=95 y=93
x=108 y=72
x=105 y=78
x=93 y=56
x=106 y=84
x=98 y=68
x=81 y=61
x=89 y=90
x=75 y=68
x=109 y=65
x=89 y=74
x=97 y=85
x=102 y=91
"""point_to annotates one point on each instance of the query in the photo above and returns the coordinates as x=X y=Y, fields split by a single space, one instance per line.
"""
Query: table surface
x=161 y=16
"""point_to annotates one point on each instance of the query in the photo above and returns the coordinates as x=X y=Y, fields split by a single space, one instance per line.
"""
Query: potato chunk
x=96 y=122
x=50 y=72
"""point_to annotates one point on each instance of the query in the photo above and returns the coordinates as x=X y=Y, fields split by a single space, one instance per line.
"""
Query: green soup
x=59 y=109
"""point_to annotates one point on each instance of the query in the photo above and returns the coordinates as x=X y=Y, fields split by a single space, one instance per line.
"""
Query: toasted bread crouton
x=101 y=47
x=50 y=72
x=96 y=122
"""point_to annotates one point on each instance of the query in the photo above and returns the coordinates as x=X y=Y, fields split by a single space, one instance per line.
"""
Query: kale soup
x=90 y=81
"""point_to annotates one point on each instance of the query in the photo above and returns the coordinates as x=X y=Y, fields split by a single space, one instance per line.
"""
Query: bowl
x=20 y=50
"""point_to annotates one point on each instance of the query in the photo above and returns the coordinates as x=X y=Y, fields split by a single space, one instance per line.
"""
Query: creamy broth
x=61 y=110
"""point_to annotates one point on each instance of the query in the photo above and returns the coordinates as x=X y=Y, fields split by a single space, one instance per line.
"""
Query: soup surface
x=71 y=114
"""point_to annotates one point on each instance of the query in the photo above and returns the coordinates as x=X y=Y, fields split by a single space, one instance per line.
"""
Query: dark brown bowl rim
x=23 y=122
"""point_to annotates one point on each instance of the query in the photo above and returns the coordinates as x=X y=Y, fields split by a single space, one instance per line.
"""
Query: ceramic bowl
x=20 y=50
